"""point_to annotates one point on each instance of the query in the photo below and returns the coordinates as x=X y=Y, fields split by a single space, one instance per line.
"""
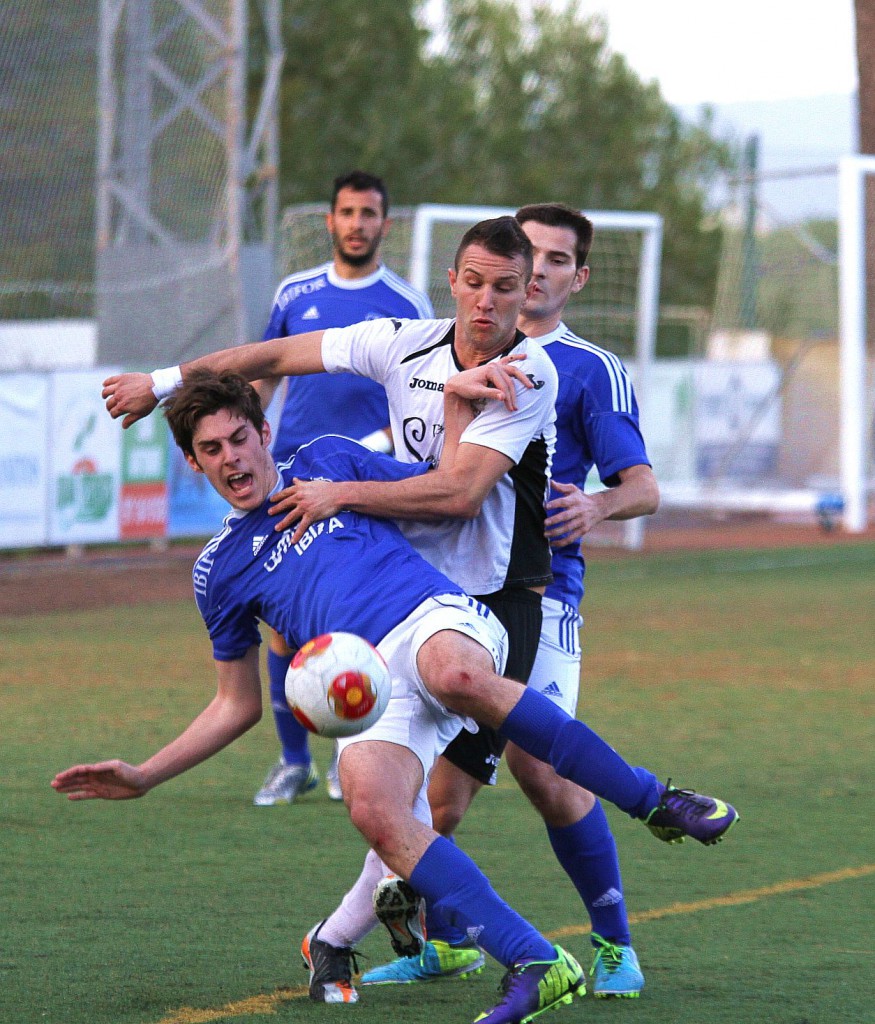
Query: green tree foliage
x=502 y=110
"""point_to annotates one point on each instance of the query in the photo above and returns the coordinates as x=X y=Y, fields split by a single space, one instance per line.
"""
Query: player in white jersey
x=596 y=424
x=443 y=650
x=352 y=287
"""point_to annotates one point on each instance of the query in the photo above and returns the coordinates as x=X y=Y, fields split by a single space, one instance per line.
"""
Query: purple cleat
x=531 y=988
x=682 y=812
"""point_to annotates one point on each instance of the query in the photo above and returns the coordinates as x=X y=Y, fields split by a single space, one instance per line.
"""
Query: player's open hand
x=570 y=516
x=108 y=780
x=307 y=502
x=129 y=395
x=491 y=382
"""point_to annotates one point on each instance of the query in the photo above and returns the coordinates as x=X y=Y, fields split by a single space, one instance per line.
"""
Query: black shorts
x=519 y=611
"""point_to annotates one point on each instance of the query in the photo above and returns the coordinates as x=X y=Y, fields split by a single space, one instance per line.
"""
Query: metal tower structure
x=187 y=178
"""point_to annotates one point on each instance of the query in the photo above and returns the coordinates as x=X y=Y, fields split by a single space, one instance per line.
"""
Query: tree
x=505 y=110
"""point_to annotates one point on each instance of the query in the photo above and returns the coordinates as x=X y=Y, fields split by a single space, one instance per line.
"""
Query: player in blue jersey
x=352 y=287
x=443 y=649
x=596 y=426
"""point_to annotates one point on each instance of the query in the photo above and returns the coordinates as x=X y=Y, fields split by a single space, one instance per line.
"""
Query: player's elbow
x=464 y=506
x=652 y=498
x=461 y=500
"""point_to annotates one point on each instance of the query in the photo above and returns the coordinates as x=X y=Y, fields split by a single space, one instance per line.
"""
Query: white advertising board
x=85 y=455
x=23 y=459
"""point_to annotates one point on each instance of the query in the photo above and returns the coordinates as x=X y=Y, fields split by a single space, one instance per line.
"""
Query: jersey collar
x=554 y=335
x=517 y=338
x=358 y=282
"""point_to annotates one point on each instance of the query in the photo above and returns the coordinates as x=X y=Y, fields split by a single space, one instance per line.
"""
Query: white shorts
x=414 y=718
x=556 y=672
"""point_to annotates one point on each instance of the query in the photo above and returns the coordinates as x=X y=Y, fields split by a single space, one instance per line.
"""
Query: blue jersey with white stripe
x=314 y=300
x=351 y=572
x=596 y=425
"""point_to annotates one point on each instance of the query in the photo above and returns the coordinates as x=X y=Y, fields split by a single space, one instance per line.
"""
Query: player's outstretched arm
x=135 y=395
x=235 y=708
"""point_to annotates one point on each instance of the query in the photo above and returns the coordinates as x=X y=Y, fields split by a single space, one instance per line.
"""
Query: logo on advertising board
x=85 y=493
x=143 y=503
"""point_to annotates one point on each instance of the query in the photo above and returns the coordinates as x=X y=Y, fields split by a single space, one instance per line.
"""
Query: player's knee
x=455 y=684
x=374 y=817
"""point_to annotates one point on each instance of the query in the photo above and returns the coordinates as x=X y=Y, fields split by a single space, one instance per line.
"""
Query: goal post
x=856 y=412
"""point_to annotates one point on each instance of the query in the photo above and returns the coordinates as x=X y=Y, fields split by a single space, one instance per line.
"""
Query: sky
x=712 y=51
x=784 y=70
x=727 y=51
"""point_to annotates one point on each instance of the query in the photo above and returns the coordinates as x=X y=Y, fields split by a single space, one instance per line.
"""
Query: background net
x=115 y=173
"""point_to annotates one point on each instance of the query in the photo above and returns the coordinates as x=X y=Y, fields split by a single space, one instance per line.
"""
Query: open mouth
x=240 y=483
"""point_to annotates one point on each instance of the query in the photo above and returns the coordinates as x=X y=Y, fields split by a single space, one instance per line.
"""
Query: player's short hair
x=205 y=393
x=558 y=215
x=502 y=236
x=361 y=181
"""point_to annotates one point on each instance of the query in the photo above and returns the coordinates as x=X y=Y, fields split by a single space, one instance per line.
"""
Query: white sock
x=355 y=918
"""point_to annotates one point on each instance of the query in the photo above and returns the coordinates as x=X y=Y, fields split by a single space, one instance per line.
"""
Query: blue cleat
x=531 y=989
x=682 y=812
x=438 y=960
x=615 y=970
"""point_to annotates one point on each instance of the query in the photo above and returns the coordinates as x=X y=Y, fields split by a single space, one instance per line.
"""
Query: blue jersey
x=351 y=572
x=596 y=425
x=314 y=300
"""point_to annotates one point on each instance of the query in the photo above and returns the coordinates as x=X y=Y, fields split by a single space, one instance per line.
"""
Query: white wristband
x=166 y=381
x=379 y=441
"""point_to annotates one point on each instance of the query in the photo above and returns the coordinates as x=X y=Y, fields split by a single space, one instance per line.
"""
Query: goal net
x=777 y=411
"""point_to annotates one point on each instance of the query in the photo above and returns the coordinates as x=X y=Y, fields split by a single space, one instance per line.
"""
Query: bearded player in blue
x=354 y=286
x=444 y=650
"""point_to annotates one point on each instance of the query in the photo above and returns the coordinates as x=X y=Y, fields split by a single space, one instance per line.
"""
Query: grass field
x=745 y=674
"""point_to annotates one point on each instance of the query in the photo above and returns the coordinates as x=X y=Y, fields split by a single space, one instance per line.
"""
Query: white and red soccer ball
x=338 y=685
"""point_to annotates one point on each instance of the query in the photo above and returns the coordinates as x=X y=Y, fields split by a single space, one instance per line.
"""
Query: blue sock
x=458 y=890
x=293 y=736
x=588 y=853
x=575 y=752
x=435 y=925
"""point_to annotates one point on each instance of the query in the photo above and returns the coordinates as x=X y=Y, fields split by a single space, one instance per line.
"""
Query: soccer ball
x=338 y=685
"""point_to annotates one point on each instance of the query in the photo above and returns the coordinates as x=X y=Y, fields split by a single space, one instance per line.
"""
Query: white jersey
x=504 y=545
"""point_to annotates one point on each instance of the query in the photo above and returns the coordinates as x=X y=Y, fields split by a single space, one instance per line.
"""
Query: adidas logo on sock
x=552 y=690
x=311 y=314
x=609 y=899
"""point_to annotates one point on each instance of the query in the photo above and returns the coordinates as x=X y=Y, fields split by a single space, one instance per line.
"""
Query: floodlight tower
x=187 y=182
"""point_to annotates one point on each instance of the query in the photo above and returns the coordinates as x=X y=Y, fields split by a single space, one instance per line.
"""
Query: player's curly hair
x=502 y=236
x=204 y=393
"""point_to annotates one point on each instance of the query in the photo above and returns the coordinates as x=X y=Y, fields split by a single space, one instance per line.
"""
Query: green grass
x=747 y=675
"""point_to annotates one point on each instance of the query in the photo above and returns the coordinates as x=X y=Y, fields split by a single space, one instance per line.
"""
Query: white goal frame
x=856 y=413
x=649 y=225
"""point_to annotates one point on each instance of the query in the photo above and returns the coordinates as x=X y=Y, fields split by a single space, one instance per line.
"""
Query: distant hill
x=797 y=133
